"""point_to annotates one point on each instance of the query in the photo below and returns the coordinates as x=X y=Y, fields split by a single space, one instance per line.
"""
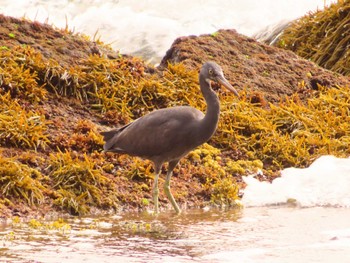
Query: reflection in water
x=275 y=234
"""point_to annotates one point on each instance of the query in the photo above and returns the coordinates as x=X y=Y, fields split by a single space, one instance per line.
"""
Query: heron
x=167 y=135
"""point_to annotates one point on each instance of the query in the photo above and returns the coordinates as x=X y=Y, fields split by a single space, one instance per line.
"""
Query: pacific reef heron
x=167 y=135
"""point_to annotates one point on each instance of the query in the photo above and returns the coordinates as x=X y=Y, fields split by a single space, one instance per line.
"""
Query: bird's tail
x=107 y=135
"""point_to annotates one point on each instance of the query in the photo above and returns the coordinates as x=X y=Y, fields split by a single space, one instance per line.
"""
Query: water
x=313 y=227
x=147 y=28
x=264 y=234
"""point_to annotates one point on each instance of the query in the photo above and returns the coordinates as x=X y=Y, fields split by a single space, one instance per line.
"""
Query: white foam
x=325 y=183
x=134 y=26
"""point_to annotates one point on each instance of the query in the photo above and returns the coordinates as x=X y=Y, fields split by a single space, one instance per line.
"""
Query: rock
x=252 y=66
x=57 y=44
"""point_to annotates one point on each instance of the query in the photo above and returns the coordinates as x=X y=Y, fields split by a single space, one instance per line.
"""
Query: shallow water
x=256 y=234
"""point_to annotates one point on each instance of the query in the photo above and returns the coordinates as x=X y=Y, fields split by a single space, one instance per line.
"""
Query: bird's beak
x=226 y=84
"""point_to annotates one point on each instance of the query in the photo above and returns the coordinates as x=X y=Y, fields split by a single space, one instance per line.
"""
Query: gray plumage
x=167 y=135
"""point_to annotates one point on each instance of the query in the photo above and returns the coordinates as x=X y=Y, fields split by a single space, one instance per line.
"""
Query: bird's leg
x=171 y=167
x=155 y=188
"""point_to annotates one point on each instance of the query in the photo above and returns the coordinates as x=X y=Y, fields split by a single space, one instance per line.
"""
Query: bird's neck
x=211 y=118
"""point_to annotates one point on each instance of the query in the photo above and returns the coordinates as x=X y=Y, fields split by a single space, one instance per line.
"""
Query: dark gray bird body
x=153 y=137
x=167 y=135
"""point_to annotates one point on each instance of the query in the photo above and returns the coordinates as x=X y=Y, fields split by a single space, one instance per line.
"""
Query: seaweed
x=225 y=192
x=17 y=75
x=322 y=36
x=19 y=127
x=78 y=183
x=19 y=181
x=84 y=138
x=292 y=133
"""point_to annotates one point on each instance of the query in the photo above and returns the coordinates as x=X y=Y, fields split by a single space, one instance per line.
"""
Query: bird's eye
x=211 y=71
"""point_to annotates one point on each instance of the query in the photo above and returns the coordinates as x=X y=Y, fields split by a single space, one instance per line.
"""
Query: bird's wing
x=156 y=133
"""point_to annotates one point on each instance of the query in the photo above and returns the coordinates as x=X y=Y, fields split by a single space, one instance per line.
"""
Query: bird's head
x=213 y=72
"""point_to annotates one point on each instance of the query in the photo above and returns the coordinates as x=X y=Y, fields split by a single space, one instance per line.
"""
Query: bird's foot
x=172 y=199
